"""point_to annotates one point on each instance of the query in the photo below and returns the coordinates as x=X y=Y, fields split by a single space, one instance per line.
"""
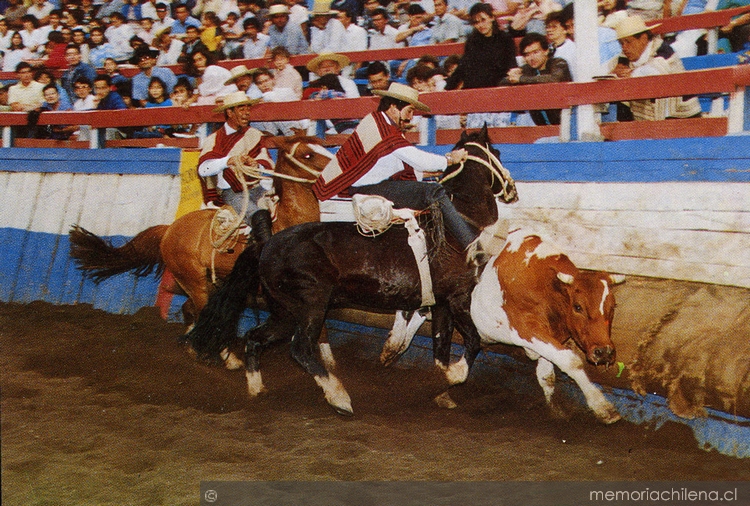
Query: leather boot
x=260 y=221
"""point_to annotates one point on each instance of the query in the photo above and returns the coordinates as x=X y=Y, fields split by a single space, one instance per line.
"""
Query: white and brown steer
x=531 y=295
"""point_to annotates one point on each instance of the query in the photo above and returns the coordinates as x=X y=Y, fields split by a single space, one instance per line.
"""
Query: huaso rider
x=378 y=160
x=233 y=145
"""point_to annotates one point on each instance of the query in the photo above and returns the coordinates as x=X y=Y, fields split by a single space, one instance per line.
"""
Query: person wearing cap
x=282 y=33
x=646 y=55
x=332 y=63
x=378 y=160
x=232 y=145
x=326 y=31
x=162 y=19
x=145 y=58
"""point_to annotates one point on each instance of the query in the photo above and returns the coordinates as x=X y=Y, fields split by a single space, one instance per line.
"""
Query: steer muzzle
x=602 y=355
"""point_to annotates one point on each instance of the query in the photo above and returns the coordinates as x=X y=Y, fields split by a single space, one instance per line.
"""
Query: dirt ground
x=106 y=409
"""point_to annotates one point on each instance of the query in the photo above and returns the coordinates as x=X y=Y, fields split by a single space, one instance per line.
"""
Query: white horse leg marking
x=335 y=394
x=455 y=373
x=545 y=374
x=400 y=336
x=254 y=383
x=231 y=361
x=326 y=355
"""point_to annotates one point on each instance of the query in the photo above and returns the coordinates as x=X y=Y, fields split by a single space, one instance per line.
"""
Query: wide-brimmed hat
x=162 y=30
x=235 y=99
x=341 y=59
x=237 y=72
x=322 y=8
x=141 y=51
x=277 y=9
x=632 y=25
x=404 y=93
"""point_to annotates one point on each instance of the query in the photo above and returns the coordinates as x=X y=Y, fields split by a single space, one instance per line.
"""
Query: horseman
x=378 y=160
x=225 y=158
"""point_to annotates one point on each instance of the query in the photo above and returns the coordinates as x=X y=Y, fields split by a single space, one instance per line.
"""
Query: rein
x=492 y=163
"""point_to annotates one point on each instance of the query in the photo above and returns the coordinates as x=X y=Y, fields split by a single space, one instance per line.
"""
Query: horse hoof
x=444 y=401
x=254 y=383
x=231 y=361
x=342 y=411
x=388 y=356
x=610 y=417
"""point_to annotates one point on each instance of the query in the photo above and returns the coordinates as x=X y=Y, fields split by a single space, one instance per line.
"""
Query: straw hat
x=235 y=99
x=632 y=25
x=322 y=8
x=236 y=73
x=404 y=93
x=162 y=30
x=277 y=9
x=342 y=60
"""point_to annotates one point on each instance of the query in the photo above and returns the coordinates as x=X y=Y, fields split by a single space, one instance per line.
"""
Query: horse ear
x=484 y=133
x=464 y=137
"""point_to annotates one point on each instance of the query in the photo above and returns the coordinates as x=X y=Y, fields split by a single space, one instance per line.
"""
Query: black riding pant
x=420 y=195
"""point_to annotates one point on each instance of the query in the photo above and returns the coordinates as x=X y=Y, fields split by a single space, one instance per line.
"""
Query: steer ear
x=565 y=278
x=616 y=279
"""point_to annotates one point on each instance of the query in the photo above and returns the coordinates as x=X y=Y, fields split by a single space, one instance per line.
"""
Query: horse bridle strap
x=492 y=163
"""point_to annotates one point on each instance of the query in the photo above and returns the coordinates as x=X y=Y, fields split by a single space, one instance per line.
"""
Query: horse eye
x=577 y=308
x=307 y=156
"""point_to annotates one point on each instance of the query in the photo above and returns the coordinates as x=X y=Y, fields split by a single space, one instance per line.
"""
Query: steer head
x=588 y=312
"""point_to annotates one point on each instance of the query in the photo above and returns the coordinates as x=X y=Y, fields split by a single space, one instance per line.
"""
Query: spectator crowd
x=68 y=54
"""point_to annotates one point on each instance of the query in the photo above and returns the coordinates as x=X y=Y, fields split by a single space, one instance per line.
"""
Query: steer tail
x=99 y=259
x=216 y=328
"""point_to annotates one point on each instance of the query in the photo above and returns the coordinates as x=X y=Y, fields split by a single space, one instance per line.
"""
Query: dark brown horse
x=310 y=268
x=185 y=248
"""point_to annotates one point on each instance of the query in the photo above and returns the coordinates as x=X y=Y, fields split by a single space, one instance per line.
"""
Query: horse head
x=301 y=158
x=476 y=183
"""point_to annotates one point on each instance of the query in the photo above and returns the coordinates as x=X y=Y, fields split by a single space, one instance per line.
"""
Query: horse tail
x=100 y=260
x=216 y=328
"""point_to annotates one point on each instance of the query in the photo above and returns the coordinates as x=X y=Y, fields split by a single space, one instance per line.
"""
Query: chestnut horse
x=185 y=248
x=310 y=268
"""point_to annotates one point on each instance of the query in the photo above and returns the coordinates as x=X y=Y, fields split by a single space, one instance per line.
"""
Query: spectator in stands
x=13 y=14
x=88 y=11
x=191 y=43
x=266 y=84
x=611 y=12
x=145 y=58
x=255 y=8
x=5 y=34
x=219 y=7
x=170 y=49
x=79 y=39
x=282 y=33
x=211 y=35
x=146 y=30
x=26 y=95
x=163 y=19
x=4 y=105
x=286 y=75
x=183 y=19
x=378 y=77
x=76 y=69
x=41 y=10
x=53 y=56
x=737 y=31
x=450 y=64
x=16 y=53
x=647 y=55
x=255 y=42
x=119 y=34
x=210 y=78
x=45 y=77
x=326 y=31
x=107 y=8
x=531 y=15
x=416 y=32
x=106 y=99
x=30 y=39
x=241 y=77
x=235 y=142
x=427 y=79
x=85 y=101
x=157 y=97
x=333 y=63
x=52 y=102
x=488 y=56
x=560 y=43
x=131 y=11
x=539 y=68
x=382 y=35
x=99 y=48
x=328 y=87
x=148 y=9
x=113 y=71
x=233 y=33
x=446 y=27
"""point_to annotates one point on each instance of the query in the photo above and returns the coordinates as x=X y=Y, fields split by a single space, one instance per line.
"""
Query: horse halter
x=508 y=193
x=298 y=163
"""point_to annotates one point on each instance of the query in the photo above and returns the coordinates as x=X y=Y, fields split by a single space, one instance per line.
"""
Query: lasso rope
x=492 y=163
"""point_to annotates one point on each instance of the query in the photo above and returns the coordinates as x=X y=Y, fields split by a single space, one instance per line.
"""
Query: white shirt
x=385 y=40
x=350 y=87
x=171 y=55
x=328 y=40
x=120 y=37
x=355 y=38
x=393 y=163
x=255 y=48
x=567 y=51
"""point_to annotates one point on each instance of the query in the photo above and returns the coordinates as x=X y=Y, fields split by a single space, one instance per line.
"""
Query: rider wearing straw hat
x=378 y=160
x=236 y=144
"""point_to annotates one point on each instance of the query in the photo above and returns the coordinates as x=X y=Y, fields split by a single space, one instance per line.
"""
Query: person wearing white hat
x=333 y=63
x=646 y=55
x=233 y=144
x=326 y=31
x=283 y=33
x=378 y=160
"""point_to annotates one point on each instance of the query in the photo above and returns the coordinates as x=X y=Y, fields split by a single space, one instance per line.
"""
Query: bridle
x=258 y=172
x=497 y=171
